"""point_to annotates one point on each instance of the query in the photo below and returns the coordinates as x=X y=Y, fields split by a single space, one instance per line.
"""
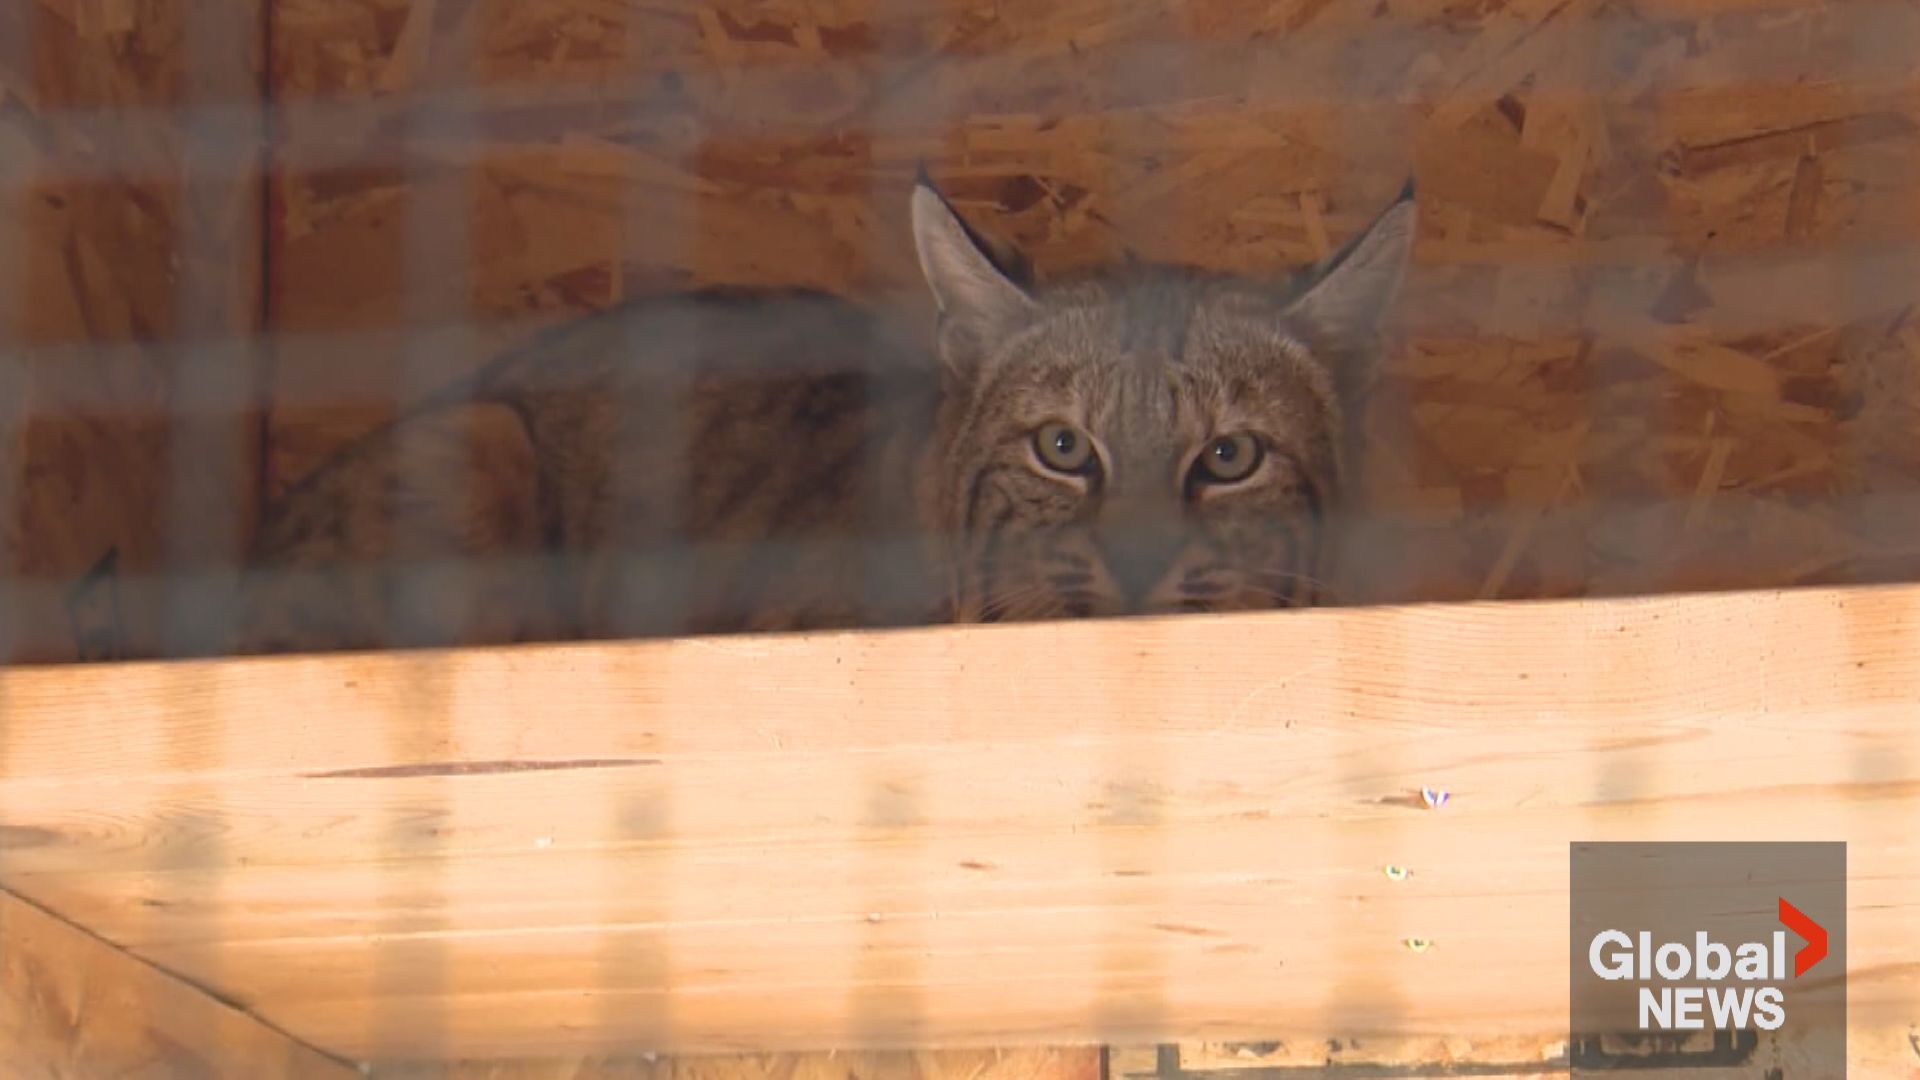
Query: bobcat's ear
x=1343 y=309
x=982 y=293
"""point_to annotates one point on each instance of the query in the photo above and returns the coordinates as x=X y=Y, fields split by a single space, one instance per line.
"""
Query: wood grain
x=1879 y=1052
x=1140 y=830
x=74 y=1008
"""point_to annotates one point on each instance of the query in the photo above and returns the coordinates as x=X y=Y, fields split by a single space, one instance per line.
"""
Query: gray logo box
x=1685 y=954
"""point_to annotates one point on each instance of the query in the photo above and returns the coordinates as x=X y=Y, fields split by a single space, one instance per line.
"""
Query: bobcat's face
x=1159 y=441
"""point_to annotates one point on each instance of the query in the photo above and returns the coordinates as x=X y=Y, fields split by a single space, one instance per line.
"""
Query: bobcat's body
x=1153 y=440
x=685 y=464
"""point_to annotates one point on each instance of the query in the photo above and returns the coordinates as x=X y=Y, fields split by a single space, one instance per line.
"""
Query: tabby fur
x=755 y=461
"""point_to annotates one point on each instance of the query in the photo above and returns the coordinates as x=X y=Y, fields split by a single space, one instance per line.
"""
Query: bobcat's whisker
x=1015 y=604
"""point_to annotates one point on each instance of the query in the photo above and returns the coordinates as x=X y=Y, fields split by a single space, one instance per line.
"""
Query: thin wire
x=1297 y=70
x=436 y=256
x=18 y=175
x=213 y=358
x=656 y=233
x=208 y=460
x=1756 y=293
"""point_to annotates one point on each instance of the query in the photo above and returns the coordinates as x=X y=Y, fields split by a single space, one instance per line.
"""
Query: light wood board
x=1133 y=831
x=74 y=1008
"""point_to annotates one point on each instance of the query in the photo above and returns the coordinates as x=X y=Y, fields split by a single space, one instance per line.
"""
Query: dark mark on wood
x=1788 y=144
x=477 y=768
x=1193 y=931
x=14 y=837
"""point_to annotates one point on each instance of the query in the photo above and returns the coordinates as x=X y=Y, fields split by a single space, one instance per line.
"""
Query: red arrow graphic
x=1815 y=935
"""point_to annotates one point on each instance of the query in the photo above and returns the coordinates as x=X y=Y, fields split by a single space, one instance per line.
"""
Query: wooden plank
x=1878 y=1052
x=74 y=1008
x=1064 y=833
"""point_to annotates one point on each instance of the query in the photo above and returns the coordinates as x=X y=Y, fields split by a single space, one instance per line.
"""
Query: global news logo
x=1707 y=983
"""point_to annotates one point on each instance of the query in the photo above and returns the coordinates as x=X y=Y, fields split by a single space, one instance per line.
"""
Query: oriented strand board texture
x=131 y=266
x=1046 y=834
x=1658 y=331
x=1079 y=1063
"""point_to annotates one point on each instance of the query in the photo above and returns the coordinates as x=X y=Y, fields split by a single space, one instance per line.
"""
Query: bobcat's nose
x=1138 y=555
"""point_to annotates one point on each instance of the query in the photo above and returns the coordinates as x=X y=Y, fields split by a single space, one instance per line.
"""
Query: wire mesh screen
x=377 y=324
x=1651 y=338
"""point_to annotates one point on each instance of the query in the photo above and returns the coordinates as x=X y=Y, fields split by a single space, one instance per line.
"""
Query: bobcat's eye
x=1064 y=449
x=1228 y=459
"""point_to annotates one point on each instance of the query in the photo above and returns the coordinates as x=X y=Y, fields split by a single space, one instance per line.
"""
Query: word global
x=1615 y=956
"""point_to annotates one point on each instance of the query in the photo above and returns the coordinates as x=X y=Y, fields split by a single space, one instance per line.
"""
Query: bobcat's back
x=703 y=463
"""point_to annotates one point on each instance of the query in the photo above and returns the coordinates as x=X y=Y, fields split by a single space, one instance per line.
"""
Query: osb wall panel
x=1657 y=331
x=1073 y=1063
x=134 y=260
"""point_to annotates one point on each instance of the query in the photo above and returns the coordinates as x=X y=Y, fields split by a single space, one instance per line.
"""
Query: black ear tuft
x=1344 y=309
x=972 y=282
x=1007 y=258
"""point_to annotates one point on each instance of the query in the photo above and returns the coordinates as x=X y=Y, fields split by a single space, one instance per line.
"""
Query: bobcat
x=1148 y=439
